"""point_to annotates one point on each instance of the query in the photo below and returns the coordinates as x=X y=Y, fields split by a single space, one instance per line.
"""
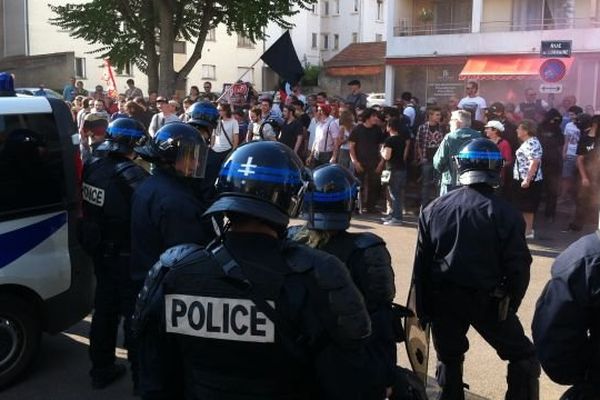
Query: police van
x=46 y=279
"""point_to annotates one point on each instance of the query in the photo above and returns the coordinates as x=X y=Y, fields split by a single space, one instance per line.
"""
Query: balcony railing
x=405 y=29
x=540 y=24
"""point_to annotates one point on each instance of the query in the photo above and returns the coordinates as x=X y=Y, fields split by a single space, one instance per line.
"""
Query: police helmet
x=123 y=135
x=203 y=114
x=7 y=84
x=264 y=179
x=479 y=161
x=330 y=204
x=180 y=146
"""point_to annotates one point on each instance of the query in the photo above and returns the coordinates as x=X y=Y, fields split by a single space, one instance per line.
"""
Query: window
x=379 y=10
x=209 y=71
x=354 y=37
x=80 y=71
x=126 y=70
x=378 y=37
x=247 y=72
x=355 y=7
x=336 y=7
x=31 y=166
x=326 y=8
x=336 y=41
x=244 y=42
x=179 y=47
x=211 y=35
x=314 y=41
x=325 y=41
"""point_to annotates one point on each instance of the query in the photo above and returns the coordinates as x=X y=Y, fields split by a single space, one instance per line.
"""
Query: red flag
x=109 y=77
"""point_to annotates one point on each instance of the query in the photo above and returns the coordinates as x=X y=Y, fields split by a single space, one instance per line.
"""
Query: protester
x=473 y=101
x=552 y=141
x=291 y=133
x=527 y=174
x=493 y=131
x=327 y=130
x=428 y=140
x=166 y=115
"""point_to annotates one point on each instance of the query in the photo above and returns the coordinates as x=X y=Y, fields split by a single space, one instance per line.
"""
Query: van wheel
x=20 y=335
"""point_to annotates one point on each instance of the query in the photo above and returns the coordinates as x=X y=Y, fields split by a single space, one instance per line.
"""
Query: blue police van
x=46 y=279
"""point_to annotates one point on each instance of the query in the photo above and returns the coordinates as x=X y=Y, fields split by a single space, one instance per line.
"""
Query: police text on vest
x=93 y=195
x=218 y=318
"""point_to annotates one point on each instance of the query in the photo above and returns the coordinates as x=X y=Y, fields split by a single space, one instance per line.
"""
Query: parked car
x=33 y=91
x=375 y=99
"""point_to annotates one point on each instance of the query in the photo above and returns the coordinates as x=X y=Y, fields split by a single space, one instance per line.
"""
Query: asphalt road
x=61 y=370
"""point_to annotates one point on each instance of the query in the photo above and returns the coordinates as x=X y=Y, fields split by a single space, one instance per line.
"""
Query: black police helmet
x=122 y=136
x=180 y=146
x=330 y=204
x=203 y=114
x=262 y=179
x=479 y=161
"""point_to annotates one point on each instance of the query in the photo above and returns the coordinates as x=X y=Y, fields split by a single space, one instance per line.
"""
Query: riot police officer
x=328 y=210
x=167 y=209
x=253 y=316
x=472 y=269
x=566 y=324
x=109 y=181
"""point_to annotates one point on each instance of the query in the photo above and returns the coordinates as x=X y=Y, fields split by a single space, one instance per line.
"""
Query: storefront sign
x=444 y=90
x=553 y=70
x=555 y=48
x=547 y=88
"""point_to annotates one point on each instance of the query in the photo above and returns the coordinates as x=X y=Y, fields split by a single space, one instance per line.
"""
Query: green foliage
x=311 y=75
x=130 y=30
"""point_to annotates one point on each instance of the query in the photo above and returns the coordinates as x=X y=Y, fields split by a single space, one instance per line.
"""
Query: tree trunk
x=166 y=82
x=149 y=40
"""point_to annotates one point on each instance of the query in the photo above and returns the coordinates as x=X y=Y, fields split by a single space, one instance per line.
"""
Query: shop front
x=501 y=78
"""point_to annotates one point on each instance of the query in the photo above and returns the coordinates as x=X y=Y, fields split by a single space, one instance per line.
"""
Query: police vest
x=108 y=184
x=227 y=340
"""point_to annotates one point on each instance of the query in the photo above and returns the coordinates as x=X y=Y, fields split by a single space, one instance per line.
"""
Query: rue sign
x=556 y=48
x=554 y=88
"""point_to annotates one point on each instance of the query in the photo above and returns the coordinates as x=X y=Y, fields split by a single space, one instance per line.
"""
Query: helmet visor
x=191 y=159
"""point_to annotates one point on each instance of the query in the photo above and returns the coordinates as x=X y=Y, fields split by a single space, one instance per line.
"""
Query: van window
x=31 y=165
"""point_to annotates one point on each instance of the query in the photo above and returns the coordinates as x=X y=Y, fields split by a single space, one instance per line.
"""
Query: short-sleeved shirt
x=530 y=150
x=326 y=133
x=290 y=132
x=227 y=127
x=398 y=144
x=476 y=103
x=589 y=148
x=367 y=142
x=572 y=135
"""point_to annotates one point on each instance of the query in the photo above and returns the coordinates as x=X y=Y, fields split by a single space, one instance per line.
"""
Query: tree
x=143 y=31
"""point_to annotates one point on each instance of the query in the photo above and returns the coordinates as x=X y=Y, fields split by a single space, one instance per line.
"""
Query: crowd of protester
x=549 y=150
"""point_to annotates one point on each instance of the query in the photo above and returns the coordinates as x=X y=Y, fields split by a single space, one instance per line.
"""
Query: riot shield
x=417 y=338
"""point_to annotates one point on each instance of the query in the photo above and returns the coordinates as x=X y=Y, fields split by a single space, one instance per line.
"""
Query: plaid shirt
x=428 y=139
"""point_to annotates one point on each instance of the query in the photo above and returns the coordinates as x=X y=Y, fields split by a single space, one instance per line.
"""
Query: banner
x=108 y=77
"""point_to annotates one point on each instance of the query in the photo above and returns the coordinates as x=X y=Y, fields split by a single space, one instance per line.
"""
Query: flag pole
x=239 y=79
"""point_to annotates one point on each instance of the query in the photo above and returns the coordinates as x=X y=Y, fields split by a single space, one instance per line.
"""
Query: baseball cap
x=496 y=107
x=496 y=125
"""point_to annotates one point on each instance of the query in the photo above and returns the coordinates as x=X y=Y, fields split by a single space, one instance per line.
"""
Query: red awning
x=505 y=67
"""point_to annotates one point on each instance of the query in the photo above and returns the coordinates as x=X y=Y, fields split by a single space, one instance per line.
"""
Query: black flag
x=282 y=59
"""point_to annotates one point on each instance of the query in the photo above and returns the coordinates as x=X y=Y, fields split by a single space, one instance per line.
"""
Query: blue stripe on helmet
x=480 y=154
x=126 y=132
x=334 y=196
x=234 y=167
x=291 y=178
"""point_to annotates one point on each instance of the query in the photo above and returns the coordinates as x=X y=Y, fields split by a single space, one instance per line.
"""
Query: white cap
x=495 y=124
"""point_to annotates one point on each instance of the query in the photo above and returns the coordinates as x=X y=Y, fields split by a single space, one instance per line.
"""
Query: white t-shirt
x=231 y=128
x=159 y=120
x=477 y=103
x=572 y=135
x=409 y=111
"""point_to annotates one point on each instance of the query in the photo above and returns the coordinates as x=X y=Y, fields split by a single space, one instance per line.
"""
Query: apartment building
x=434 y=47
x=25 y=31
x=329 y=26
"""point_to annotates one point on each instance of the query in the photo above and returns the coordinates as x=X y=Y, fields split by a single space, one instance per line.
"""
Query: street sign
x=547 y=88
x=553 y=70
x=556 y=48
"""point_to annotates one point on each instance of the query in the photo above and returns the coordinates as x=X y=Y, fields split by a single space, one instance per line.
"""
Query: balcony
x=407 y=29
x=540 y=24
